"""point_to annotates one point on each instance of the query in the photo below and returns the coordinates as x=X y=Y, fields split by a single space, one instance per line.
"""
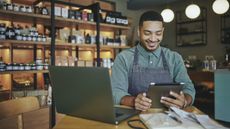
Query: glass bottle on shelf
x=87 y=39
x=10 y=32
x=226 y=61
x=2 y=65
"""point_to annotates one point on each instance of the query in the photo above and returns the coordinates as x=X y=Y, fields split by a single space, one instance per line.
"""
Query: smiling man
x=135 y=68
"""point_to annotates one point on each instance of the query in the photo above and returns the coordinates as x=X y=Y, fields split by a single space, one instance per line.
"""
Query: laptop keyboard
x=122 y=111
x=119 y=114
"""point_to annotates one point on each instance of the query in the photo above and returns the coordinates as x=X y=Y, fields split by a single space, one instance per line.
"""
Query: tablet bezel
x=157 y=90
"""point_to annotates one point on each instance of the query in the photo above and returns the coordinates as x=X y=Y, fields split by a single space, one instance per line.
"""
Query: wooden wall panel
x=22 y=56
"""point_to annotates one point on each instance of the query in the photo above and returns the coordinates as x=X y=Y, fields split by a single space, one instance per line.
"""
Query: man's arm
x=119 y=79
x=180 y=75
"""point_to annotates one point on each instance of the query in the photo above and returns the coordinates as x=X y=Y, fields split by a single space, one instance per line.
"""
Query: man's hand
x=141 y=102
x=180 y=100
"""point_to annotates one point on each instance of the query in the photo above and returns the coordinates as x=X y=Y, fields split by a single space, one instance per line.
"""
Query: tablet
x=156 y=91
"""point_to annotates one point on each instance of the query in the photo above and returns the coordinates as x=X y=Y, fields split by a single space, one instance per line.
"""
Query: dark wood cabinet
x=225 y=28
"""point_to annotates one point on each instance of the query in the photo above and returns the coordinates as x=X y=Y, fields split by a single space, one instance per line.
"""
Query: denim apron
x=141 y=77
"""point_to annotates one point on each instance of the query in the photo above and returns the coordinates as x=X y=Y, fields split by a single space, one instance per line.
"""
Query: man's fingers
x=138 y=106
x=168 y=104
x=142 y=102
x=177 y=96
x=176 y=102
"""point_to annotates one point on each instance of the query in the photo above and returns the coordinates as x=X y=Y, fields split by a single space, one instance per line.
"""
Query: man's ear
x=163 y=29
x=138 y=31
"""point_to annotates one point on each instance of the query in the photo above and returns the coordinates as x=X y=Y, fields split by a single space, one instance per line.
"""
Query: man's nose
x=153 y=37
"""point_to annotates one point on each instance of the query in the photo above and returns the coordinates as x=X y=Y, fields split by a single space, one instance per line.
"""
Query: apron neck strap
x=135 y=61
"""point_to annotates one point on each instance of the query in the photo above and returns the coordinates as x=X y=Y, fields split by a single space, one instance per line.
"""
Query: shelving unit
x=225 y=28
x=24 y=71
x=53 y=45
x=45 y=19
x=191 y=32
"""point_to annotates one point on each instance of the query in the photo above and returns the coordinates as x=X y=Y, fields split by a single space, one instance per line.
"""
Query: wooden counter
x=68 y=122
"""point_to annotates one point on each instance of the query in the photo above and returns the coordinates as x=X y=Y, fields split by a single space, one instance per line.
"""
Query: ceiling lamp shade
x=167 y=15
x=220 y=6
x=192 y=11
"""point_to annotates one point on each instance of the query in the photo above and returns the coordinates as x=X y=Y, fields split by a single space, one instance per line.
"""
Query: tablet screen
x=156 y=91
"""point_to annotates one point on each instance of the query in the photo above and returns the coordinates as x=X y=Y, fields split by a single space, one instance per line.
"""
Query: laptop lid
x=83 y=92
x=156 y=91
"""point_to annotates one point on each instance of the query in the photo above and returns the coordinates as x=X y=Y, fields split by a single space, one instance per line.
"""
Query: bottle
x=2 y=65
x=87 y=39
x=10 y=33
x=206 y=65
x=226 y=62
x=213 y=65
x=49 y=97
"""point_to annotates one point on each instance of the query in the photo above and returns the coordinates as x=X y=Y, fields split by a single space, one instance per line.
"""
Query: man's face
x=151 y=34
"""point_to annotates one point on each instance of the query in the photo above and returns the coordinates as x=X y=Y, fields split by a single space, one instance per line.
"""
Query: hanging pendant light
x=192 y=11
x=168 y=15
x=220 y=6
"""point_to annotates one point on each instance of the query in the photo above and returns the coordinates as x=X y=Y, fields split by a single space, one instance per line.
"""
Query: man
x=135 y=68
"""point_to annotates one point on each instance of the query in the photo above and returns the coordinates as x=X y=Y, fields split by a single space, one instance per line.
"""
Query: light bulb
x=167 y=15
x=220 y=6
x=192 y=11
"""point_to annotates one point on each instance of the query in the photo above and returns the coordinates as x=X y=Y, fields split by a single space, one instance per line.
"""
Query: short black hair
x=150 y=16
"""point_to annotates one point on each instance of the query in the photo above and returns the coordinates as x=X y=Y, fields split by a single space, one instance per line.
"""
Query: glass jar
x=21 y=67
x=15 y=66
x=2 y=27
x=2 y=35
x=22 y=8
x=29 y=9
x=24 y=37
x=10 y=33
x=38 y=61
x=29 y=38
x=34 y=38
x=18 y=30
x=43 y=38
x=19 y=37
x=39 y=39
x=10 y=7
x=39 y=66
x=9 y=67
x=4 y=5
x=27 y=67
x=44 y=11
x=33 y=66
x=16 y=8
x=2 y=66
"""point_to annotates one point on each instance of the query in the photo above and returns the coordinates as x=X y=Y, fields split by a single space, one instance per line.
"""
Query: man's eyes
x=156 y=33
x=147 y=33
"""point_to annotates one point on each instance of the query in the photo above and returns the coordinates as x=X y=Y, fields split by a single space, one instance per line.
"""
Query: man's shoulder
x=127 y=52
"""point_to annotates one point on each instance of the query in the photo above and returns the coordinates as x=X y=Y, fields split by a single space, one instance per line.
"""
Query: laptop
x=156 y=91
x=86 y=92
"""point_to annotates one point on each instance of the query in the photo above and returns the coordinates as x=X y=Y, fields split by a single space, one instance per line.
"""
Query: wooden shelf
x=61 y=44
x=191 y=33
x=22 y=42
x=4 y=90
x=24 y=71
x=188 y=45
x=190 y=21
x=110 y=46
x=45 y=19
